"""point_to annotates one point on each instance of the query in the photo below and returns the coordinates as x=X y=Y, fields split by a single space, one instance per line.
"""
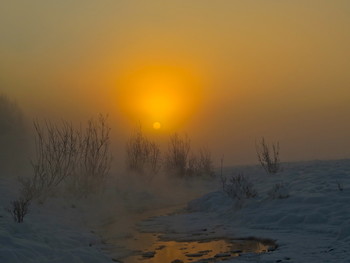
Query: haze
x=278 y=69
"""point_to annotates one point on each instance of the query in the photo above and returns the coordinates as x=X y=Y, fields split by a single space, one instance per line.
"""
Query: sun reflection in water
x=198 y=251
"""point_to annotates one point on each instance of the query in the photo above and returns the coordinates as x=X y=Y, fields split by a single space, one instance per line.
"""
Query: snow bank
x=311 y=225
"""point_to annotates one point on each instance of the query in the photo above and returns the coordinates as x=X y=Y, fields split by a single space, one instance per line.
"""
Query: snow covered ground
x=52 y=232
x=311 y=225
x=66 y=229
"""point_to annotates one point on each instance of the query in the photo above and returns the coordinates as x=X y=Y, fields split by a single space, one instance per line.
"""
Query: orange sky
x=234 y=70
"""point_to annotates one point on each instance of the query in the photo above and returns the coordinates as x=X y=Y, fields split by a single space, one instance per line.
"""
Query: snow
x=311 y=225
x=51 y=232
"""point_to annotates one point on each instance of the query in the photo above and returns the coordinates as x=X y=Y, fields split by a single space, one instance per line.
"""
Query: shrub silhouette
x=202 y=164
x=177 y=156
x=142 y=154
x=19 y=208
x=179 y=160
x=63 y=153
x=238 y=187
x=93 y=159
x=268 y=156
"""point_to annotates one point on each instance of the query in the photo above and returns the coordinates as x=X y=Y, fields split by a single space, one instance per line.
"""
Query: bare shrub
x=181 y=162
x=20 y=207
x=55 y=159
x=192 y=166
x=206 y=166
x=29 y=188
x=142 y=154
x=93 y=158
x=154 y=159
x=279 y=191
x=238 y=187
x=269 y=156
x=177 y=156
x=201 y=165
x=63 y=152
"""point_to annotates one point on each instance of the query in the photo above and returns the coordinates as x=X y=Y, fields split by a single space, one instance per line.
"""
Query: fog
x=14 y=139
x=223 y=73
x=125 y=198
x=272 y=69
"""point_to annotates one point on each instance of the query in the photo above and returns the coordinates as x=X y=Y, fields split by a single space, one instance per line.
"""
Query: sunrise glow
x=222 y=126
x=168 y=95
x=157 y=125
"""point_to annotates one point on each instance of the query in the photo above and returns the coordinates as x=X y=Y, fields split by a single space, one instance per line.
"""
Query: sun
x=157 y=125
x=165 y=96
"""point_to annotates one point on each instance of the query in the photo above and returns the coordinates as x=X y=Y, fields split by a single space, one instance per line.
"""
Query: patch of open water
x=143 y=247
x=196 y=251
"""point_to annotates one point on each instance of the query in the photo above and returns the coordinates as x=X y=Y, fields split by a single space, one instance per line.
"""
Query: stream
x=131 y=245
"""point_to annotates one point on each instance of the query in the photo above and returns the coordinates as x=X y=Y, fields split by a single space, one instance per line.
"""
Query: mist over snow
x=63 y=227
x=14 y=137
x=130 y=126
x=312 y=224
x=303 y=208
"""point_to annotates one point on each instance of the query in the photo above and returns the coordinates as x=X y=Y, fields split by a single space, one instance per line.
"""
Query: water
x=129 y=245
x=159 y=251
